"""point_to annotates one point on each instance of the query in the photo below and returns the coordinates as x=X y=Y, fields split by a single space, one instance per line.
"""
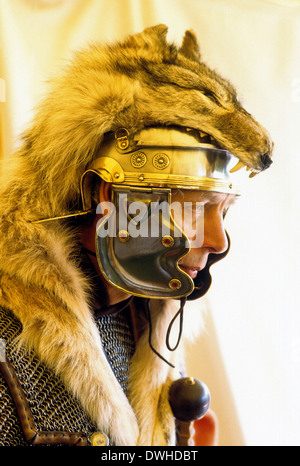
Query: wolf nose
x=265 y=161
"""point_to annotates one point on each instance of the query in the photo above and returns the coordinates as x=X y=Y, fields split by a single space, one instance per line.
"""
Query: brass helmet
x=138 y=243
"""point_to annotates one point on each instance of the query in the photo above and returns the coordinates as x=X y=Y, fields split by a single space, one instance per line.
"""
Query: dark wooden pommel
x=189 y=399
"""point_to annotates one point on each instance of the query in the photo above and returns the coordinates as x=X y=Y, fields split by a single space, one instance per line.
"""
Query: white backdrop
x=250 y=353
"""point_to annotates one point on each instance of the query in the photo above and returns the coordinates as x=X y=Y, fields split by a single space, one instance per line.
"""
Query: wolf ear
x=150 y=36
x=158 y=32
x=190 y=47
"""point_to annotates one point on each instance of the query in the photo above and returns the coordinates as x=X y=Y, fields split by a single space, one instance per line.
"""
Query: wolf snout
x=265 y=160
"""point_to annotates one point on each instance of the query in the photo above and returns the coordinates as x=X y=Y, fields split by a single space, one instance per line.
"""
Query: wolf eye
x=211 y=96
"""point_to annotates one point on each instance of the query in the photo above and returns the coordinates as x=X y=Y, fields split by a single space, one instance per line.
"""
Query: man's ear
x=105 y=192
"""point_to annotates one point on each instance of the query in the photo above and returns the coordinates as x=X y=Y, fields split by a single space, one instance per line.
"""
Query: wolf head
x=177 y=87
x=139 y=82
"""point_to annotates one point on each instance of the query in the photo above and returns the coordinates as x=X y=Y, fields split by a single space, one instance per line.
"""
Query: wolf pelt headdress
x=139 y=82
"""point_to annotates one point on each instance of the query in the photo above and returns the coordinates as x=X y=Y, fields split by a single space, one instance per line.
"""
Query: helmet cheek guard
x=138 y=245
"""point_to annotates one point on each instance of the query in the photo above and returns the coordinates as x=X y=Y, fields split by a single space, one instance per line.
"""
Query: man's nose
x=215 y=238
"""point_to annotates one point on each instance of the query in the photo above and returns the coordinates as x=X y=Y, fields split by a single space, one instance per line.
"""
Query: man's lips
x=190 y=270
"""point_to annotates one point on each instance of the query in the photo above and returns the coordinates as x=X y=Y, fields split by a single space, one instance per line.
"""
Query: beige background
x=250 y=352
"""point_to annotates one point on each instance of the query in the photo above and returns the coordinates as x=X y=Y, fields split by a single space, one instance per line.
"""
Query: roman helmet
x=138 y=243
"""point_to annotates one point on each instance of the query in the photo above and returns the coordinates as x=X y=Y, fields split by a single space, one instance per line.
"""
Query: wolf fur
x=135 y=83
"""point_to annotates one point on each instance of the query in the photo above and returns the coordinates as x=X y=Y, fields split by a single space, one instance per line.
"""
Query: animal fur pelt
x=141 y=81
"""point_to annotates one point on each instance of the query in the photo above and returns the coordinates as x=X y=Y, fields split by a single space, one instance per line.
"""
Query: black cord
x=179 y=313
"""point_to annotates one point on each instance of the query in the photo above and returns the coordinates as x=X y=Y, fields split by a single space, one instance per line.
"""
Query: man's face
x=200 y=214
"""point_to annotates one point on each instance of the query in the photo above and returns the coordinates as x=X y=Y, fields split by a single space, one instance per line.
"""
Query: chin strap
x=178 y=313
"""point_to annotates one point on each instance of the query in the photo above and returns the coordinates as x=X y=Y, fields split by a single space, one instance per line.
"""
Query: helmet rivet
x=175 y=284
x=117 y=175
x=122 y=136
x=167 y=241
x=141 y=178
x=123 y=236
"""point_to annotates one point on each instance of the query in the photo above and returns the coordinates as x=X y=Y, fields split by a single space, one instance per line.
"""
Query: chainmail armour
x=52 y=406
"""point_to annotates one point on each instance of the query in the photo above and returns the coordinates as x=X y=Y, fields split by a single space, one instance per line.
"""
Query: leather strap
x=184 y=433
x=31 y=434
